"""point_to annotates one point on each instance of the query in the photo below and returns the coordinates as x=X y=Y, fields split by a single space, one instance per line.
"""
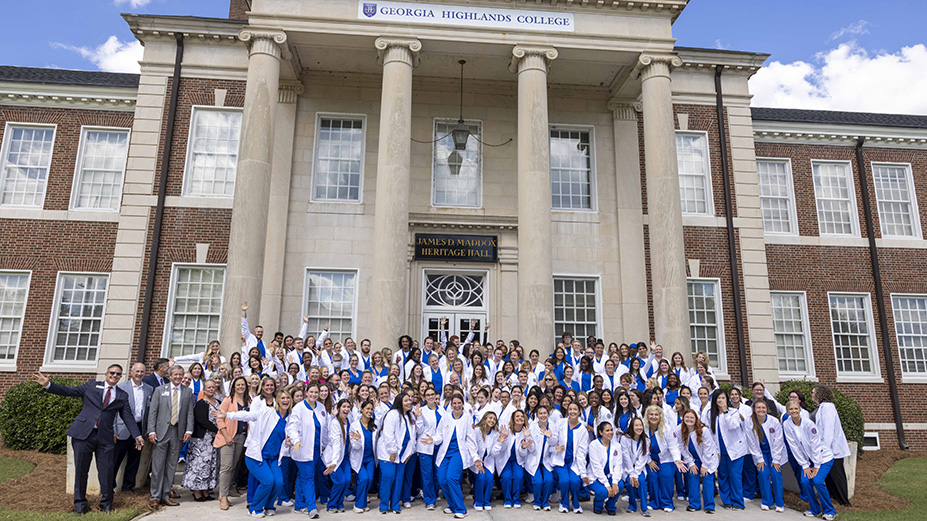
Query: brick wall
x=238 y=9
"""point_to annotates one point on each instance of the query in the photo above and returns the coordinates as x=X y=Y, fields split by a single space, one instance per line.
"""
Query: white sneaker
x=487 y=508
x=780 y=509
x=448 y=511
x=578 y=510
x=764 y=507
x=349 y=497
x=506 y=506
x=270 y=513
x=478 y=509
x=313 y=514
x=828 y=517
x=256 y=514
x=536 y=507
x=809 y=513
x=748 y=500
x=459 y=515
x=547 y=508
x=358 y=510
x=430 y=507
x=563 y=510
x=516 y=505
x=287 y=503
x=667 y=509
x=407 y=505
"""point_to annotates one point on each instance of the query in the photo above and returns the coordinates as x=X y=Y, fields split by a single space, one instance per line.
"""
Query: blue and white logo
x=370 y=10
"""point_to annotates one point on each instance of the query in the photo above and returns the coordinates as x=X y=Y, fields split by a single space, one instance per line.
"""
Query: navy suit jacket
x=152 y=380
x=92 y=395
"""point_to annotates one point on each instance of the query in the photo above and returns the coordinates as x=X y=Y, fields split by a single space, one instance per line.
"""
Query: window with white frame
x=571 y=176
x=894 y=189
x=836 y=198
x=195 y=305
x=910 y=312
x=338 y=167
x=694 y=173
x=101 y=164
x=212 y=152
x=777 y=199
x=706 y=329
x=458 y=174
x=77 y=318
x=851 y=323
x=331 y=298
x=14 y=289
x=576 y=306
x=792 y=333
x=27 y=152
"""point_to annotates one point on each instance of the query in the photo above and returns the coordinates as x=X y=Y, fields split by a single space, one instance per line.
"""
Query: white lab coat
x=357 y=446
x=393 y=431
x=261 y=423
x=668 y=442
x=445 y=432
x=580 y=447
x=733 y=427
x=535 y=456
x=483 y=449
x=426 y=425
x=334 y=452
x=832 y=435
x=598 y=454
x=503 y=449
x=635 y=457
x=773 y=431
x=300 y=427
x=806 y=443
x=707 y=451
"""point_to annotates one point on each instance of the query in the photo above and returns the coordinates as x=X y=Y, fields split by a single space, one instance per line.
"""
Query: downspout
x=880 y=297
x=159 y=210
x=729 y=217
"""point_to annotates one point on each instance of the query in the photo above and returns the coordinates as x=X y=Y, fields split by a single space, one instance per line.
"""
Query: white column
x=245 y=269
x=535 y=264
x=667 y=249
x=391 y=218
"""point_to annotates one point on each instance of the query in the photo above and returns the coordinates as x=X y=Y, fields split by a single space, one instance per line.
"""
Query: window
x=851 y=323
x=706 y=329
x=790 y=327
x=331 y=298
x=101 y=164
x=338 y=169
x=894 y=189
x=571 y=169
x=27 y=152
x=14 y=288
x=910 y=313
x=694 y=173
x=77 y=318
x=458 y=174
x=195 y=305
x=576 y=306
x=212 y=153
x=776 y=197
x=836 y=199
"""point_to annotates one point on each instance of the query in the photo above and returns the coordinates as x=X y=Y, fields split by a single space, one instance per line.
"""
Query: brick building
x=597 y=192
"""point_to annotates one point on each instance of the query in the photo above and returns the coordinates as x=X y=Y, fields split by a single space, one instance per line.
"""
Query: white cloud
x=111 y=56
x=719 y=45
x=134 y=4
x=852 y=30
x=847 y=78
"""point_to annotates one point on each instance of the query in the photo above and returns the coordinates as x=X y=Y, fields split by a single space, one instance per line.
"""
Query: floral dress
x=202 y=463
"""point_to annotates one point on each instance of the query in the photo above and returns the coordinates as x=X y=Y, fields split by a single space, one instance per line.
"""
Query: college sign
x=466 y=16
x=466 y=248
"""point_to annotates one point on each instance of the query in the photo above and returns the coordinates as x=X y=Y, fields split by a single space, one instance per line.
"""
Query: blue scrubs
x=305 y=477
x=341 y=478
x=542 y=481
x=638 y=493
x=601 y=493
x=769 y=479
x=660 y=483
x=266 y=472
x=570 y=482
x=429 y=470
x=697 y=481
x=512 y=476
x=365 y=474
x=449 y=474
x=730 y=476
x=391 y=477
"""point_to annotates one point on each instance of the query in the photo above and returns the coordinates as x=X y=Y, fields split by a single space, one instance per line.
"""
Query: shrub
x=32 y=419
x=747 y=393
x=851 y=415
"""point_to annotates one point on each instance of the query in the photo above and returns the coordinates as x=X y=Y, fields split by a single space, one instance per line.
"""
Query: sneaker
x=564 y=510
x=536 y=507
x=828 y=517
x=780 y=509
x=709 y=511
x=764 y=507
x=269 y=512
x=809 y=513
x=430 y=507
x=314 y=514
x=349 y=497
x=302 y=511
x=598 y=512
x=691 y=509
x=256 y=514
x=680 y=498
x=459 y=515
x=506 y=506
x=613 y=512
x=667 y=509
x=478 y=508
x=407 y=505
x=748 y=500
x=448 y=511
x=287 y=503
x=645 y=513
x=487 y=507
x=358 y=510
x=516 y=505
x=547 y=508
x=578 y=510
x=383 y=511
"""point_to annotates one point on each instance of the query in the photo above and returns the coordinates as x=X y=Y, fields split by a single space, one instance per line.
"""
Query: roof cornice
x=145 y=26
x=68 y=96
x=838 y=135
x=737 y=61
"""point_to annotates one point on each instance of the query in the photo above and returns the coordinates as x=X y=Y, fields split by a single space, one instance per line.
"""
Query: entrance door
x=457 y=324
x=458 y=296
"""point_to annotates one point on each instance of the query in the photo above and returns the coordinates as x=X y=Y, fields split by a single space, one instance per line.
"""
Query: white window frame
x=709 y=192
x=434 y=128
x=907 y=376
x=598 y=298
x=593 y=177
x=75 y=183
x=5 y=148
x=11 y=364
x=847 y=376
x=806 y=328
x=851 y=186
x=172 y=293
x=721 y=370
x=304 y=307
x=793 y=212
x=315 y=156
x=916 y=215
x=454 y=309
x=63 y=365
x=187 y=167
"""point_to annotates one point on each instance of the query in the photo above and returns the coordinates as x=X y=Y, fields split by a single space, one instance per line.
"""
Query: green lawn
x=906 y=479
x=11 y=468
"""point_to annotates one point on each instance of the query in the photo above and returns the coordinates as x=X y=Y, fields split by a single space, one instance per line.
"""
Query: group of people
x=310 y=423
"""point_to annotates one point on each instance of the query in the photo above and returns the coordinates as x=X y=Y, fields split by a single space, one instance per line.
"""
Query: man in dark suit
x=139 y=396
x=170 y=424
x=158 y=376
x=92 y=431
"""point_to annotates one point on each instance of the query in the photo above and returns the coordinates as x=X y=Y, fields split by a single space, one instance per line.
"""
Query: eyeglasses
x=115 y=373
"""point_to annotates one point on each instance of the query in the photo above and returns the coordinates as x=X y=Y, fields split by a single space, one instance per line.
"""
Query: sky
x=855 y=55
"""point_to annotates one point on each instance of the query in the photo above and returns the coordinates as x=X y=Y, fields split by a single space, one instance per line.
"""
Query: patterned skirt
x=202 y=464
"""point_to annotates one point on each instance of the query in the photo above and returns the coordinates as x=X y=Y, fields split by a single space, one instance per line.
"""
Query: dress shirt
x=138 y=393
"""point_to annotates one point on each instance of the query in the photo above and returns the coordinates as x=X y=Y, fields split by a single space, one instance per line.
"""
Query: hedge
x=851 y=415
x=32 y=419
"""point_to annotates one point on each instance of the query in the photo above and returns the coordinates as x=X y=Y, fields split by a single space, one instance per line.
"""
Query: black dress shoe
x=613 y=512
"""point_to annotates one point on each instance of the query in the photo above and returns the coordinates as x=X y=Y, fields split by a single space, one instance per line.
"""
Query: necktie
x=105 y=403
x=174 y=404
x=260 y=345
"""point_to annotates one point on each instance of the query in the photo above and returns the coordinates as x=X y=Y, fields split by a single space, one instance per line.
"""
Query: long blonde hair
x=481 y=425
x=660 y=424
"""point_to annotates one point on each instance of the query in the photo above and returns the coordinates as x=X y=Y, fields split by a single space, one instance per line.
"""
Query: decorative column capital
x=289 y=91
x=650 y=65
x=624 y=109
x=392 y=49
x=528 y=57
x=263 y=41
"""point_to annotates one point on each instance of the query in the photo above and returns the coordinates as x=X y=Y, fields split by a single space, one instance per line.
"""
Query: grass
x=906 y=479
x=124 y=514
x=11 y=468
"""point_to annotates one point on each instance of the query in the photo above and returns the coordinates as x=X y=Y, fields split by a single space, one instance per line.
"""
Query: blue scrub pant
x=305 y=485
x=341 y=478
x=391 y=476
x=770 y=483
x=570 y=482
x=660 y=485
x=364 y=480
x=682 y=485
x=638 y=493
x=288 y=471
x=542 y=483
x=749 y=477
x=822 y=500
x=707 y=485
x=449 y=474
x=429 y=478
x=512 y=477
x=601 y=498
x=482 y=489
x=270 y=481
x=409 y=477
x=323 y=483
x=730 y=481
x=796 y=470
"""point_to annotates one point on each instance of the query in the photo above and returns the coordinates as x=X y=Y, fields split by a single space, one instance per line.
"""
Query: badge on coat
x=814 y=431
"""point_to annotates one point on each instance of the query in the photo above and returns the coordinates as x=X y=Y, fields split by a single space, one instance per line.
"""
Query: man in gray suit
x=139 y=395
x=170 y=424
